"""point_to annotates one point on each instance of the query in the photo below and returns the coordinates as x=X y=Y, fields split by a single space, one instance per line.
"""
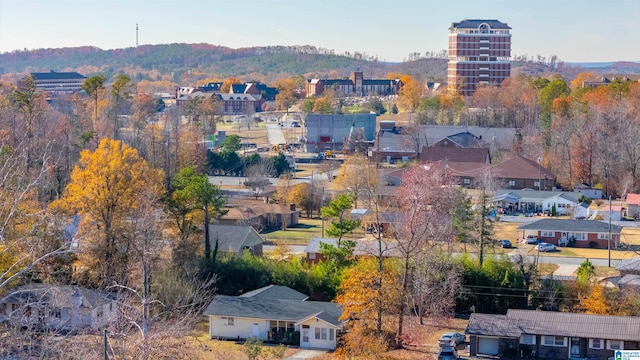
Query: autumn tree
x=286 y=93
x=226 y=85
x=410 y=93
x=366 y=291
x=322 y=106
x=337 y=211
x=596 y=302
x=301 y=195
x=107 y=188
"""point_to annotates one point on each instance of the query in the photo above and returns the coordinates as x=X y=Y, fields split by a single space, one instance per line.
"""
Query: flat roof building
x=59 y=82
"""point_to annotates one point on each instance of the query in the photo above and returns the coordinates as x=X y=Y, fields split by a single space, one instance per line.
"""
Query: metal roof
x=52 y=75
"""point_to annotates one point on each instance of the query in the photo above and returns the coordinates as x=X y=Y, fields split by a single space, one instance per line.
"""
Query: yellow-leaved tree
x=596 y=302
x=366 y=291
x=107 y=190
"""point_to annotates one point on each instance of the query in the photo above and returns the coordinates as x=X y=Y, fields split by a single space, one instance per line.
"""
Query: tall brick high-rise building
x=479 y=53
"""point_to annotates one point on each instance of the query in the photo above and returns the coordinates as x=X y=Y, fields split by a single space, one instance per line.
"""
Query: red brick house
x=586 y=233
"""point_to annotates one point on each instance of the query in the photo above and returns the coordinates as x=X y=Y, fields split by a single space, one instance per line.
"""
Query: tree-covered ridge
x=188 y=63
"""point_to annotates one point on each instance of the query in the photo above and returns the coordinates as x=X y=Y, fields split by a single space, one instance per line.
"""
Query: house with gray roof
x=548 y=334
x=578 y=233
x=532 y=201
x=629 y=273
x=235 y=239
x=277 y=315
x=58 y=307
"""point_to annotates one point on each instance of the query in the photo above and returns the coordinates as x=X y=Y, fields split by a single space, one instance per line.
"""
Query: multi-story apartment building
x=479 y=54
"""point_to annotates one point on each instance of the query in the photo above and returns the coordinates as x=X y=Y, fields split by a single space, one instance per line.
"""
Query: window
x=547 y=234
x=536 y=183
x=553 y=341
x=512 y=183
x=321 y=334
x=596 y=343
x=312 y=256
x=580 y=235
x=331 y=335
x=56 y=313
x=528 y=339
x=229 y=321
x=467 y=181
x=603 y=236
x=615 y=344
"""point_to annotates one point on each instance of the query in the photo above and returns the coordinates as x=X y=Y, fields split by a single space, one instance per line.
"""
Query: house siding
x=242 y=328
x=320 y=343
x=592 y=238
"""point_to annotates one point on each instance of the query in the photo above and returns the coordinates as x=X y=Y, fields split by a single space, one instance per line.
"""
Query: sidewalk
x=565 y=270
x=305 y=354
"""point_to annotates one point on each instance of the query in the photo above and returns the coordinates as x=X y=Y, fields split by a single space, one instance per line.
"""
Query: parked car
x=452 y=339
x=506 y=244
x=531 y=239
x=447 y=353
x=544 y=247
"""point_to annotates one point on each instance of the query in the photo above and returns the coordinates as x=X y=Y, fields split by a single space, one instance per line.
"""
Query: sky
x=574 y=30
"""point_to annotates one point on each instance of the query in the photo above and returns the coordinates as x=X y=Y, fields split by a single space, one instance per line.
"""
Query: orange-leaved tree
x=365 y=291
x=106 y=190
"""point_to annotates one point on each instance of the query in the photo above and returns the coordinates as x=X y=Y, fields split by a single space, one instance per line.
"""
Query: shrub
x=593 y=244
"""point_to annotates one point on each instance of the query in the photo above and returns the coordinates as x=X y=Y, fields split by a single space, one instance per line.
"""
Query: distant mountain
x=255 y=63
x=192 y=62
x=616 y=66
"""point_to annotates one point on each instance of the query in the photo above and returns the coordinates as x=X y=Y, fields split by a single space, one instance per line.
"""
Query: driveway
x=306 y=354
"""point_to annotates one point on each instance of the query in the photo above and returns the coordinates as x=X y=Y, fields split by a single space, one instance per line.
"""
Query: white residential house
x=58 y=307
x=588 y=191
x=275 y=314
x=530 y=201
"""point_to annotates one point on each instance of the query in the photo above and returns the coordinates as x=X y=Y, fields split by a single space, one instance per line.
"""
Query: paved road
x=274 y=132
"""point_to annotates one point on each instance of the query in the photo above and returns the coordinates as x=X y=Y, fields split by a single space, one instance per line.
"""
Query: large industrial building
x=479 y=54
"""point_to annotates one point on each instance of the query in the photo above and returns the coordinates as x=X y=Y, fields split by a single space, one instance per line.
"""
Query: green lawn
x=297 y=235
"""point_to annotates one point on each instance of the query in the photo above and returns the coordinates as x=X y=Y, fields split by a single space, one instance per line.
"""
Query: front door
x=304 y=342
x=255 y=331
x=576 y=348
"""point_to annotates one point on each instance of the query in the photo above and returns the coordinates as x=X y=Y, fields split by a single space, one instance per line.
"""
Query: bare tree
x=258 y=177
x=329 y=167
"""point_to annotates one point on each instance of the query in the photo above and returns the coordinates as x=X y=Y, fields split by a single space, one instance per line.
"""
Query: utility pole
x=321 y=205
x=609 y=241
x=106 y=353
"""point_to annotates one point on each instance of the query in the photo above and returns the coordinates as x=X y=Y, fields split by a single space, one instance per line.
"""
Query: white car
x=452 y=339
x=545 y=247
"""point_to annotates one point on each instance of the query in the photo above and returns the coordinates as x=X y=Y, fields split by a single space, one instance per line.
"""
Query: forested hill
x=265 y=64
x=259 y=63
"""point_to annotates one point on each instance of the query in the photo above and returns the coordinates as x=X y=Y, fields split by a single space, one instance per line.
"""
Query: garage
x=487 y=346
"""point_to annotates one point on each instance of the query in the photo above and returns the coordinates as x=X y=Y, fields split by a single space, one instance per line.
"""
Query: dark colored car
x=506 y=244
x=447 y=353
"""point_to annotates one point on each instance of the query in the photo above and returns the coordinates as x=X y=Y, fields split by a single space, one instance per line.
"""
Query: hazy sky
x=575 y=30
